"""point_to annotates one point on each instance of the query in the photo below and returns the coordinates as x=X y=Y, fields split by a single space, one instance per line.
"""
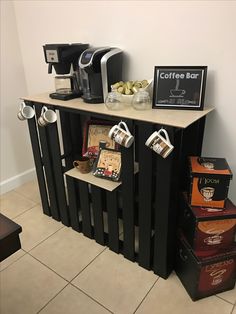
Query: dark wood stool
x=9 y=237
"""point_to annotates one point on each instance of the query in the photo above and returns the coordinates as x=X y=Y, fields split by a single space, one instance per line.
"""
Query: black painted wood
x=48 y=167
x=85 y=209
x=73 y=202
x=145 y=195
x=164 y=209
x=38 y=164
x=191 y=145
x=97 y=214
x=66 y=139
x=127 y=159
x=76 y=131
x=113 y=225
x=55 y=155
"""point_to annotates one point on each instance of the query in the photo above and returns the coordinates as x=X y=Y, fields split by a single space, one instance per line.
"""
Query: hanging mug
x=160 y=143
x=47 y=116
x=121 y=134
x=25 y=112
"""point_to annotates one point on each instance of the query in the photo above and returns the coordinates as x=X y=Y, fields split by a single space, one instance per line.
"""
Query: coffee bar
x=112 y=156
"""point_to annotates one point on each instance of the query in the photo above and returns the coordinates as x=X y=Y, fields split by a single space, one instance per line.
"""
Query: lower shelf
x=90 y=178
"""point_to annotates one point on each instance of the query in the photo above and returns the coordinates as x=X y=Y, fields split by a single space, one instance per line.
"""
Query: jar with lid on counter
x=141 y=100
x=114 y=100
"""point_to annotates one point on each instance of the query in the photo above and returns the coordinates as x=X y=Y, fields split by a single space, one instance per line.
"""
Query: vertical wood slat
x=97 y=214
x=85 y=209
x=66 y=139
x=51 y=186
x=55 y=154
x=76 y=130
x=163 y=250
x=145 y=195
x=113 y=225
x=73 y=202
x=127 y=159
x=38 y=164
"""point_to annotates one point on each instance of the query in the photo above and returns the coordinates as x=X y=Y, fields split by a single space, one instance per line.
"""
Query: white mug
x=121 y=135
x=25 y=112
x=159 y=143
x=47 y=116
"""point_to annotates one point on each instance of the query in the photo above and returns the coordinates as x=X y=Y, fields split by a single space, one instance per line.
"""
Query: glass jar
x=114 y=100
x=141 y=100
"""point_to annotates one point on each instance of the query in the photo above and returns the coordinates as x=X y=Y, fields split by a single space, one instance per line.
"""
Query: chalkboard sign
x=180 y=87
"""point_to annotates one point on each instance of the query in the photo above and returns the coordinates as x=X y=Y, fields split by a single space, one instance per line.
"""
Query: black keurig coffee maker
x=99 y=68
x=64 y=59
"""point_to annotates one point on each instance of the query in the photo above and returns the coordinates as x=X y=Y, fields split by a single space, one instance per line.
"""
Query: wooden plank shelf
x=99 y=182
x=90 y=178
x=175 y=118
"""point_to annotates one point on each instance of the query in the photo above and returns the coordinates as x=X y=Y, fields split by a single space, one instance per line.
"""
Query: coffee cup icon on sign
x=176 y=92
x=207 y=193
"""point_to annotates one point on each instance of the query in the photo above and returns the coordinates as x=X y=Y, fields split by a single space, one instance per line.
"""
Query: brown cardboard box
x=209 y=181
x=209 y=231
x=205 y=276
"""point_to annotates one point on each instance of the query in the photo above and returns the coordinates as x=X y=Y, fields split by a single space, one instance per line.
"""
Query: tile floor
x=60 y=271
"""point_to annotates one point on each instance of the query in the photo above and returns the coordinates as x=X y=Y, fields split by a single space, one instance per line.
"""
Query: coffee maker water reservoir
x=99 y=68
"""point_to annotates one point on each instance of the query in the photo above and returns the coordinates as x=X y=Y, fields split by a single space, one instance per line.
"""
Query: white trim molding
x=16 y=181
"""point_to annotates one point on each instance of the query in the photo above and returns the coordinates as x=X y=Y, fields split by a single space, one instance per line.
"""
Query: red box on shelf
x=209 y=231
x=209 y=181
x=205 y=276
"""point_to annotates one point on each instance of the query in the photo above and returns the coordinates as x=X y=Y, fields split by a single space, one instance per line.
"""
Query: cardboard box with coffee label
x=208 y=230
x=209 y=181
x=205 y=276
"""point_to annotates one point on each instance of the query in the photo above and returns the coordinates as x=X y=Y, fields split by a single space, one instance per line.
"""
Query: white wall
x=151 y=33
x=16 y=156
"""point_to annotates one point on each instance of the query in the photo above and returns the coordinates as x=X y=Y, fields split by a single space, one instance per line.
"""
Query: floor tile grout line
x=224 y=299
x=48 y=267
x=53 y=297
x=23 y=195
x=234 y=307
x=14 y=261
x=22 y=212
x=91 y=297
x=69 y=281
x=88 y=264
x=146 y=295
x=45 y=239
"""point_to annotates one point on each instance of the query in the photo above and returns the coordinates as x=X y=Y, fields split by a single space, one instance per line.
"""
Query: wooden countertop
x=176 y=118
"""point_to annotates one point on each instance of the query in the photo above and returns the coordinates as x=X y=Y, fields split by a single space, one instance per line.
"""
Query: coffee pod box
x=209 y=181
x=205 y=276
x=208 y=230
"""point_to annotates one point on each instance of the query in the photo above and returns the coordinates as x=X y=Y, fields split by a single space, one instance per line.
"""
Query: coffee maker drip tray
x=65 y=96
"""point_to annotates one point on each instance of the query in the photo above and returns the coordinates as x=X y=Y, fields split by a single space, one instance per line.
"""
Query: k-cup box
x=205 y=276
x=209 y=181
x=208 y=230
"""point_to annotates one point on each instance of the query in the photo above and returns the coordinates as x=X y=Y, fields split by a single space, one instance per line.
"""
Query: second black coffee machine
x=99 y=69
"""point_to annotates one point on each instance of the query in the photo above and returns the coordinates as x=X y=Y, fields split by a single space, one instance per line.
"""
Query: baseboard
x=16 y=181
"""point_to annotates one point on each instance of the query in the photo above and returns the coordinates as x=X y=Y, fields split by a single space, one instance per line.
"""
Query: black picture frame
x=179 y=87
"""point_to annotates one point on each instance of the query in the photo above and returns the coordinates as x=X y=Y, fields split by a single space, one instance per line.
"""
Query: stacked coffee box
x=206 y=251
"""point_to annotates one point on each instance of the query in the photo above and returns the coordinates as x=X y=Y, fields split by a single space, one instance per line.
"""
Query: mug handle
x=75 y=164
x=166 y=134
x=125 y=126
x=22 y=105
x=44 y=109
